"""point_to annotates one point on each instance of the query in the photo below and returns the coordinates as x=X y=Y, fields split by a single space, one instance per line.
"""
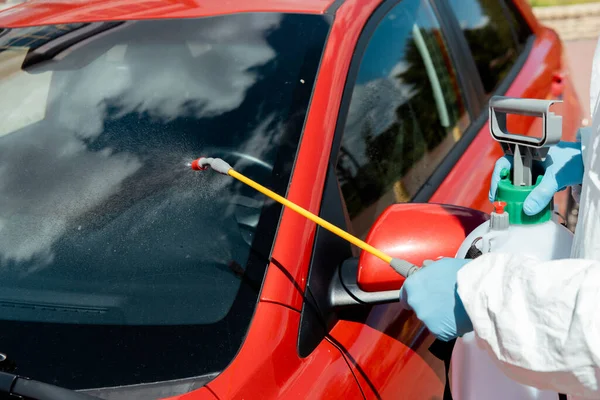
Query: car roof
x=46 y=12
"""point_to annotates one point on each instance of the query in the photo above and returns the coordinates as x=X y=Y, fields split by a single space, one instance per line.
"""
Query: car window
x=118 y=264
x=489 y=36
x=406 y=113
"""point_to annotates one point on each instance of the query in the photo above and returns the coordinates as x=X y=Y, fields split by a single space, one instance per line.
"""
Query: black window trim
x=332 y=10
x=317 y=316
x=514 y=17
x=507 y=16
x=460 y=53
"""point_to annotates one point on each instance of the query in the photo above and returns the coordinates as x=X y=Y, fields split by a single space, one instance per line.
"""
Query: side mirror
x=413 y=232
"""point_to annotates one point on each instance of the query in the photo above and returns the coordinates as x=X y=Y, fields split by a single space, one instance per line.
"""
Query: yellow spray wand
x=404 y=268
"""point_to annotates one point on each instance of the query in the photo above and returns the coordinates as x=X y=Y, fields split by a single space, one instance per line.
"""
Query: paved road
x=579 y=54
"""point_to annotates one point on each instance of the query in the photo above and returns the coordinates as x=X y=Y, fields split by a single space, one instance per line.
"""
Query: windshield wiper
x=18 y=387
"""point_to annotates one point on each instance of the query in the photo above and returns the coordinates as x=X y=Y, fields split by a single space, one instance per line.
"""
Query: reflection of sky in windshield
x=469 y=13
x=379 y=60
x=391 y=33
x=378 y=92
x=106 y=236
x=49 y=180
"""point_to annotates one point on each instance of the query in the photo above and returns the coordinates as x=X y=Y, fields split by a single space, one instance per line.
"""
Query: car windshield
x=118 y=264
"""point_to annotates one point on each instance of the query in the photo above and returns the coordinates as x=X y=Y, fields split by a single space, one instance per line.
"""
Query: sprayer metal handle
x=524 y=149
x=501 y=106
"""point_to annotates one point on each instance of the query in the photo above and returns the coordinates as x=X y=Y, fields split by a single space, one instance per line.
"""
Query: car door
x=407 y=109
x=415 y=129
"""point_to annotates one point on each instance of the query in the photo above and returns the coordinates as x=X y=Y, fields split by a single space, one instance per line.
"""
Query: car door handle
x=558 y=84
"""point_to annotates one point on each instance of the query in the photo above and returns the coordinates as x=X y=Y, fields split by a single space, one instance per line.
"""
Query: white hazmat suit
x=557 y=347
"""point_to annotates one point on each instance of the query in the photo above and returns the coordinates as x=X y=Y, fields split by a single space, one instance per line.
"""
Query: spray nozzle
x=524 y=149
x=216 y=164
x=197 y=166
x=499 y=207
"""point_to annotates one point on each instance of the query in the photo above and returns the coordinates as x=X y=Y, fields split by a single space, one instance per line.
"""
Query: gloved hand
x=431 y=293
x=563 y=166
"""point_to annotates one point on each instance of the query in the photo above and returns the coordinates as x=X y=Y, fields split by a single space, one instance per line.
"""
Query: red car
x=125 y=275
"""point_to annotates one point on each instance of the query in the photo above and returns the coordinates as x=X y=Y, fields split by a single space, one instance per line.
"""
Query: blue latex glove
x=563 y=166
x=431 y=293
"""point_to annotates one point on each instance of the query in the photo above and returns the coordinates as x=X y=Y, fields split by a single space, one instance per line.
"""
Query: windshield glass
x=118 y=264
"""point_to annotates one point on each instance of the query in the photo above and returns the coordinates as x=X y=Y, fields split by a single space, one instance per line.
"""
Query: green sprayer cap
x=514 y=197
x=527 y=152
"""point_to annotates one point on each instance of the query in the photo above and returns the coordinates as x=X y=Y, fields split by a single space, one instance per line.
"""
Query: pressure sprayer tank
x=475 y=375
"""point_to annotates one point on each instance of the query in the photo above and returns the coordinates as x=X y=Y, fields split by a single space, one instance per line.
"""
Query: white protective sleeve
x=584 y=134
x=540 y=321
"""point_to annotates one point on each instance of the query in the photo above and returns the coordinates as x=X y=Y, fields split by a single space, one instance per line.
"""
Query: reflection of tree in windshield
x=415 y=131
x=491 y=40
x=394 y=144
